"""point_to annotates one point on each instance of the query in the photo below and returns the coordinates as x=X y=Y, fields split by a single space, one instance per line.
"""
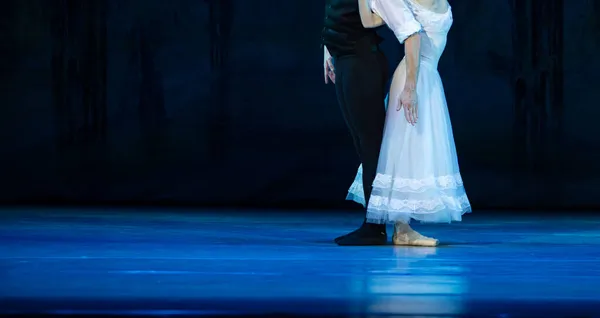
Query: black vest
x=343 y=28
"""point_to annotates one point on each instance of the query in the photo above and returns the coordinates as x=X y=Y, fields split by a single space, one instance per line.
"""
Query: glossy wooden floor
x=68 y=261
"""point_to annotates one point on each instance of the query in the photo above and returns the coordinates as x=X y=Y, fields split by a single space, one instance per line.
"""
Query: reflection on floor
x=69 y=261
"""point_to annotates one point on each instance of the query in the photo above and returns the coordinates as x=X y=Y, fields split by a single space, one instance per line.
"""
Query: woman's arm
x=402 y=20
x=408 y=97
x=412 y=50
x=367 y=17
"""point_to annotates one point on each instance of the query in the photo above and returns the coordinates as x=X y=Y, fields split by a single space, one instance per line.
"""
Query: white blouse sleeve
x=398 y=16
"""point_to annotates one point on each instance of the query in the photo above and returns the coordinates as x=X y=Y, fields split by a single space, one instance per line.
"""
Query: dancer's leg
x=362 y=83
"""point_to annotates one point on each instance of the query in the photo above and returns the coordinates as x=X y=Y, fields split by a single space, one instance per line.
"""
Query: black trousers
x=361 y=81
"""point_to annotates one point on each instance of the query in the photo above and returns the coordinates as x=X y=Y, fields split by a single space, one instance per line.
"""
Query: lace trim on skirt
x=357 y=192
x=433 y=199
x=418 y=185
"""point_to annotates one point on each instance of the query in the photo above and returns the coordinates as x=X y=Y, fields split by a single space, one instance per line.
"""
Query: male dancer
x=357 y=67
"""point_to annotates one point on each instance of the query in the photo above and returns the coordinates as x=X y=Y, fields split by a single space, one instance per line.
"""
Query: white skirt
x=418 y=174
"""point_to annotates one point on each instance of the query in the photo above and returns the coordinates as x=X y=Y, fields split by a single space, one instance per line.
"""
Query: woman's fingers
x=410 y=112
x=415 y=115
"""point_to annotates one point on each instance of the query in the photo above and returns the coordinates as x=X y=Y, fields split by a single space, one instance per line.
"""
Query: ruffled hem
x=406 y=218
x=383 y=181
x=439 y=199
x=443 y=209
x=356 y=193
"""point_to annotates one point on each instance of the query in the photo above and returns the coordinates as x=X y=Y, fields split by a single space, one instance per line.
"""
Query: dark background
x=223 y=103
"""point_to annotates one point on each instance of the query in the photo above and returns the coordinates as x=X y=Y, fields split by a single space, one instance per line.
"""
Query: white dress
x=417 y=175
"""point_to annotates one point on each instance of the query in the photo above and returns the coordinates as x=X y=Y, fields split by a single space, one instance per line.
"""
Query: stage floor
x=176 y=262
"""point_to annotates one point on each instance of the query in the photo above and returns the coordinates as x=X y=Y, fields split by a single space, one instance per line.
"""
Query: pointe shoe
x=413 y=238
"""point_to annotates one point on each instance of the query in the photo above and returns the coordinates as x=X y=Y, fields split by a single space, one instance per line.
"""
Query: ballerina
x=418 y=175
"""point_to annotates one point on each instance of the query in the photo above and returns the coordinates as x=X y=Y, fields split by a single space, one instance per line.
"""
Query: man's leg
x=363 y=85
x=339 y=90
x=369 y=115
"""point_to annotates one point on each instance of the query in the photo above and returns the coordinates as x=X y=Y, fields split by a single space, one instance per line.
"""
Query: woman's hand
x=409 y=101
